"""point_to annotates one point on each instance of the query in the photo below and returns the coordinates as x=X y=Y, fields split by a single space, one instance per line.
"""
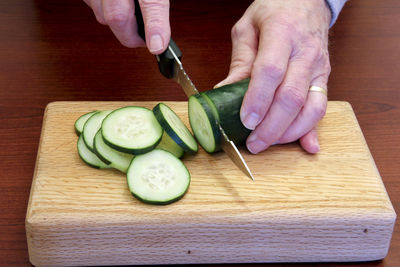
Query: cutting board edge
x=32 y=233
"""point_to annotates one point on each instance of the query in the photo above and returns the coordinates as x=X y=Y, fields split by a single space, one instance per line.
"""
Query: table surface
x=55 y=50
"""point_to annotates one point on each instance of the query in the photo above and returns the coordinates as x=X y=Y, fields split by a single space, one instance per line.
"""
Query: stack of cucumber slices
x=145 y=144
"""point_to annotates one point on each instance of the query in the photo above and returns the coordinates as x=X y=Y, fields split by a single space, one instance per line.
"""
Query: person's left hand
x=283 y=47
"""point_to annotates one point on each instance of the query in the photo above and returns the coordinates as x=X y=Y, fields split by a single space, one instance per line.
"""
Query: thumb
x=244 y=49
x=156 y=23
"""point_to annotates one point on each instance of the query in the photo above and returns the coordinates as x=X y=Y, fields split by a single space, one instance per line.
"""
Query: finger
x=244 y=49
x=156 y=24
x=288 y=101
x=97 y=8
x=312 y=112
x=309 y=142
x=314 y=108
x=267 y=73
x=120 y=17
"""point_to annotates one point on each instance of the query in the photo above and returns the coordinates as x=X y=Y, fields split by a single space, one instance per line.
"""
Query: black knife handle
x=166 y=60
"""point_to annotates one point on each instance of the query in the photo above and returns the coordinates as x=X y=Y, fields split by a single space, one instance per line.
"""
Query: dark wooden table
x=55 y=50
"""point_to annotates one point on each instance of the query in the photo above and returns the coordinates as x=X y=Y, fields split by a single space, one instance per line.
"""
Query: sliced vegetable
x=91 y=127
x=168 y=144
x=132 y=130
x=158 y=177
x=227 y=101
x=175 y=128
x=116 y=159
x=80 y=122
x=88 y=156
x=204 y=124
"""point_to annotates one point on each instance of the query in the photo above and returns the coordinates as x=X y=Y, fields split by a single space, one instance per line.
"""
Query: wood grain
x=302 y=208
x=56 y=51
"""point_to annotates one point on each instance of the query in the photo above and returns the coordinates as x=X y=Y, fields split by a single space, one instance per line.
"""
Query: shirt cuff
x=335 y=6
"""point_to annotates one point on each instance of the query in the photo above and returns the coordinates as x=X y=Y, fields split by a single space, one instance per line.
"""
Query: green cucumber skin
x=228 y=100
x=133 y=151
x=102 y=164
x=170 y=146
x=77 y=130
x=167 y=128
x=161 y=203
x=106 y=161
x=213 y=122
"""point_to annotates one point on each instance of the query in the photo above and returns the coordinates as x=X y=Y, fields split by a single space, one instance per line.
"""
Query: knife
x=170 y=66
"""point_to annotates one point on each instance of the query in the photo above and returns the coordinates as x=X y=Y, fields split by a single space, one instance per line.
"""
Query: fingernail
x=221 y=83
x=251 y=121
x=256 y=146
x=316 y=146
x=156 y=43
x=217 y=85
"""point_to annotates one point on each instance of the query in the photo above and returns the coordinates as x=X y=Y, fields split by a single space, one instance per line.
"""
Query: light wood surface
x=57 y=51
x=331 y=206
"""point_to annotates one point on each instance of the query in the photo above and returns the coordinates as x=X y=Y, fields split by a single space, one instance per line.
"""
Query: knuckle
x=116 y=17
x=237 y=30
x=273 y=71
x=101 y=20
x=292 y=97
x=319 y=111
x=328 y=67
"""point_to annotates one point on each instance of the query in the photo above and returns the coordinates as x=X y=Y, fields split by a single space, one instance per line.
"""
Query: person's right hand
x=119 y=15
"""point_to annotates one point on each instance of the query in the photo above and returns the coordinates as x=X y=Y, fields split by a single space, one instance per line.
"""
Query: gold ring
x=318 y=89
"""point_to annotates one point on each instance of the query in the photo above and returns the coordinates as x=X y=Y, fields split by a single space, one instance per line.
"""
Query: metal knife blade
x=181 y=77
x=233 y=153
x=171 y=67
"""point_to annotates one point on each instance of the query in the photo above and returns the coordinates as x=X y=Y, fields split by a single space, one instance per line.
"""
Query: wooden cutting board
x=331 y=206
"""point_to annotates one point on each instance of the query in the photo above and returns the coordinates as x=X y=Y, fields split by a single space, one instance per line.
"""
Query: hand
x=283 y=47
x=119 y=15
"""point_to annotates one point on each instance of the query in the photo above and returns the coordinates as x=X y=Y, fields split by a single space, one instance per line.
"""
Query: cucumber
x=204 y=124
x=116 y=159
x=80 y=122
x=91 y=127
x=158 y=177
x=175 y=128
x=227 y=101
x=220 y=105
x=121 y=160
x=132 y=130
x=168 y=144
x=88 y=156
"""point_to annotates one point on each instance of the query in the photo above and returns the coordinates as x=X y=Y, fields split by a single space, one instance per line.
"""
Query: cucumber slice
x=204 y=124
x=158 y=177
x=116 y=159
x=131 y=129
x=227 y=101
x=175 y=128
x=91 y=127
x=80 y=122
x=88 y=156
x=168 y=144
x=211 y=105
